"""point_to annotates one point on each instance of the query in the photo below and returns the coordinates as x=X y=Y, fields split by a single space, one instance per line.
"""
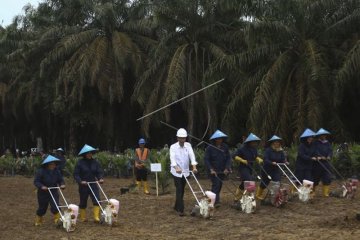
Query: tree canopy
x=82 y=71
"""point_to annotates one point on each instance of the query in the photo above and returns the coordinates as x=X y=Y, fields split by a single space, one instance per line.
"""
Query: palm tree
x=289 y=66
x=92 y=56
x=191 y=35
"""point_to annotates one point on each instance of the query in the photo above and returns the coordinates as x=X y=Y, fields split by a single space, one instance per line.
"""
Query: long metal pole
x=191 y=94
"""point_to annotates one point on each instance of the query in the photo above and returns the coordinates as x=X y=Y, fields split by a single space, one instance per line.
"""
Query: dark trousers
x=245 y=175
x=180 y=188
x=275 y=175
x=216 y=185
x=141 y=174
x=44 y=198
x=304 y=174
x=321 y=174
x=85 y=192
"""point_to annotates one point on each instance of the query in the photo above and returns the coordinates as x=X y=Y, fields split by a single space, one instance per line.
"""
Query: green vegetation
x=77 y=71
x=347 y=162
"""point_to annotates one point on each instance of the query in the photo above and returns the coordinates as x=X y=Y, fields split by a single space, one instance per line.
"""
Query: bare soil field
x=152 y=217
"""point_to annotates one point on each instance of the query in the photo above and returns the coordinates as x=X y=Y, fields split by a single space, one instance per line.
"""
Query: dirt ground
x=151 y=217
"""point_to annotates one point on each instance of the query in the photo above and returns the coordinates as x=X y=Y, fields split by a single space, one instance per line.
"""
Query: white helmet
x=181 y=133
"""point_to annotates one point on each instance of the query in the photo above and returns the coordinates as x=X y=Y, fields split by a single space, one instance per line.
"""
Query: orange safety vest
x=142 y=155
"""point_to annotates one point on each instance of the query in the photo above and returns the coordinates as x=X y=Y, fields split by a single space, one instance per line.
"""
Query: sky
x=10 y=8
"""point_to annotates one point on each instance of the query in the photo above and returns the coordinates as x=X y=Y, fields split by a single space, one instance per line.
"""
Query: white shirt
x=180 y=156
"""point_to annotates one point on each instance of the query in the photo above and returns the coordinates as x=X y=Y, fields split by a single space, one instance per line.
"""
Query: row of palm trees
x=74 y=71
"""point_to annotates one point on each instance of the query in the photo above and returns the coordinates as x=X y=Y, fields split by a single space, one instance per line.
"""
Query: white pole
x=157 y=187
x=191 y=94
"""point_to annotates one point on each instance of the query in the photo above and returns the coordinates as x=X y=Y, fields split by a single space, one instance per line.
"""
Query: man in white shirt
x=180 y=154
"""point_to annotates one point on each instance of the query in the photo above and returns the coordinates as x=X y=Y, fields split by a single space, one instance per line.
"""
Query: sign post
x=156 y=167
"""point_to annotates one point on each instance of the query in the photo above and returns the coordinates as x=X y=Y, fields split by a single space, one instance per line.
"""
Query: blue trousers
x=216 y=185
x=321 y=174
x=245 y=175
x=44 y=199
x=274 y=173
x=302 y=174
x=85 y=192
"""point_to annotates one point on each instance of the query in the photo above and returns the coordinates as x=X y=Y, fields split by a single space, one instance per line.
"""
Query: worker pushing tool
x=87 y=170
x=48 y=176
x=218 y=163
x=247 y=155
x=181 y=153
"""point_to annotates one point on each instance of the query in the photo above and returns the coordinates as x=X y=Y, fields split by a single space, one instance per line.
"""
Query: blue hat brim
x=50 y=159
x=275 y=138
x=218 y=134
x=308 y=133
x=252 y=138
x=86 y=149
x=322 y=132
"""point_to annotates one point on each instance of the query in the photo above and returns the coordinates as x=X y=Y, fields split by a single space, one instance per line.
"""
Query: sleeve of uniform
x=172 y=156
x=77 y=172
x=191 y=154
x=316 y=149
x=228 y=158
x=302 y=153
x=330 y=151
x=267 y=159
x=37 y=180
x=61 y=178
x=238 y=153
x=99 y=171
x=207 y=158
x=282 y=160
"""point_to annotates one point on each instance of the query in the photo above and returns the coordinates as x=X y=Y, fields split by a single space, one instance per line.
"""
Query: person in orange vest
x=142 y=154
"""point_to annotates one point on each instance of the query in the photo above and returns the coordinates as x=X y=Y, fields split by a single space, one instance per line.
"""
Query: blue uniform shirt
x=216 y=159
x=305 y=153
x=247 y=153
x=323 y=149
x=48 y=178
x=271 y=156
x=88 y=170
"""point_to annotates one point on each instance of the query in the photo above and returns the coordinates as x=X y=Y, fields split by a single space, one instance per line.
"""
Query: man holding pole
x=181 y=153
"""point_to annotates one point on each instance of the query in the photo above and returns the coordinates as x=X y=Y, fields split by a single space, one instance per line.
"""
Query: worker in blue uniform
x=87 y=170
x=218 y=162
x=321 y=168
x=46 y=177
x=273 y=155
x=247 y=155
x=306 y=156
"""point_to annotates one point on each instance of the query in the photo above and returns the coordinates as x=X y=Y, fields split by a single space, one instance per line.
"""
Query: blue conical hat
x=275 y=138
x=86 y=148
x=322 y=132
x=142 y=141
x=251 y=138
x=50 y=159
x=308 y=133
x=218 y=134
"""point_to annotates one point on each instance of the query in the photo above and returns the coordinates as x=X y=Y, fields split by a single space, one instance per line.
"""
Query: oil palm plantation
x=83 y=65
x=75 y=71
x=190 y=36
x=290 y=72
